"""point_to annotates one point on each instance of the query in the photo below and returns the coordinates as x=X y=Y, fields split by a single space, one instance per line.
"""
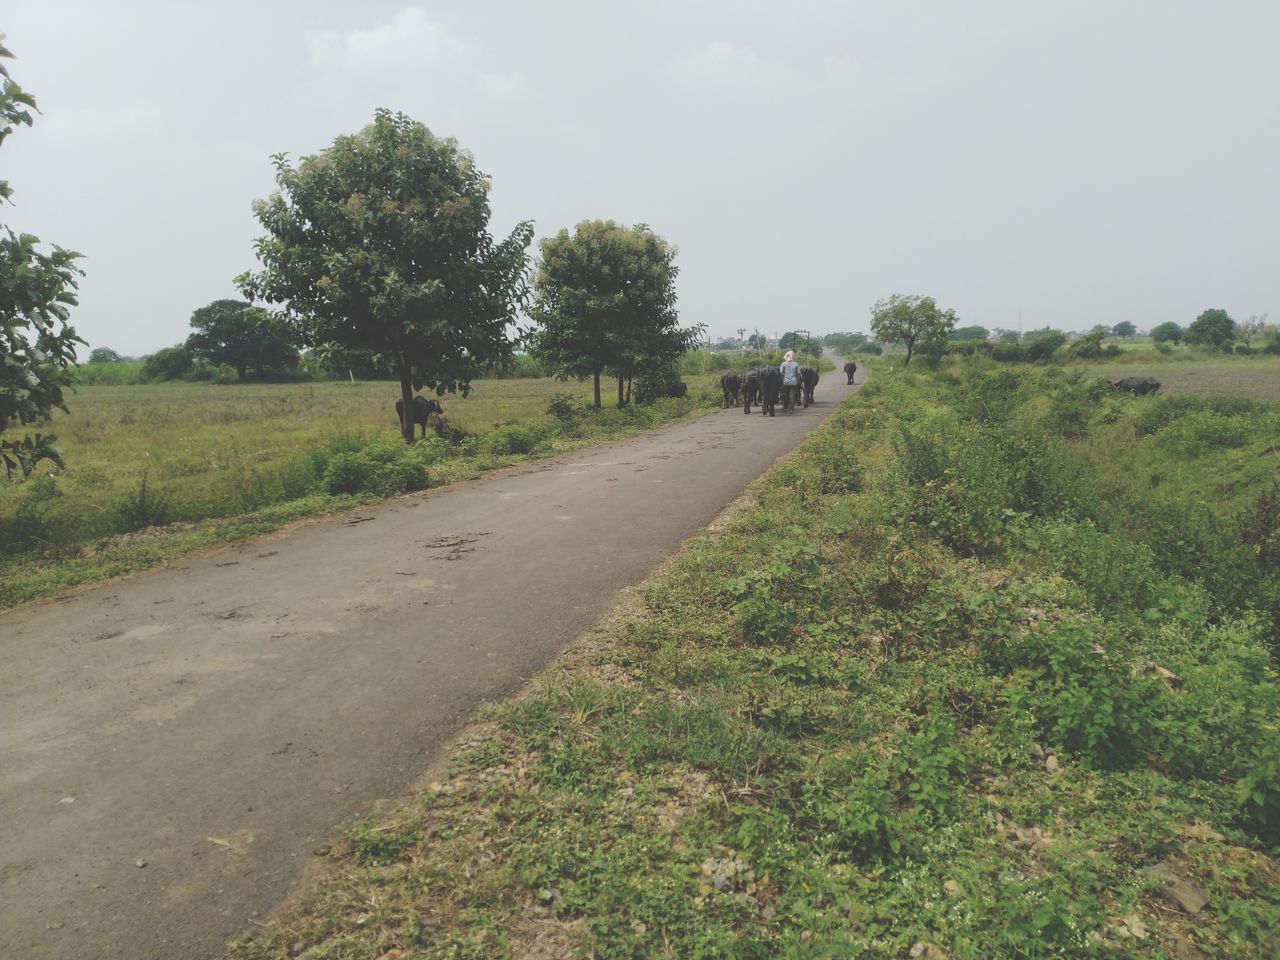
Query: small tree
x=1125 y=329
x=240 y=335
x=1249 y=329
x=1167 y=332
x=911 y=321
x=37 y=344
x=381 y=243
x=1213 y=328
x=104 y=355
x=604 y=299
x=1043 y=344
x=1008 y=336
x=970 y=333
x=169 y=363
x=757 y=341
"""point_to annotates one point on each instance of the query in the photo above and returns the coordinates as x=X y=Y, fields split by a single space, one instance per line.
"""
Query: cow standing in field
x=850 y=370
x=423 y=408
x=1138 y=386
x=730 y=383
x=808 y=383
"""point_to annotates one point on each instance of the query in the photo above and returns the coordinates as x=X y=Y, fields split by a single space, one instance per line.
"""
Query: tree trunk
x=621 y=400
x=910 y=344
x=596 y=378
x=406 y=408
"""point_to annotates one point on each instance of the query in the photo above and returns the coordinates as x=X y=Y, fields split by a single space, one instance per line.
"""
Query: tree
x=1248 y=329
x=169 y=363
x=1043 y=344
x=1008 y=336
x=758 y=341
x=37 y=344
x=970 y=333
x=1213 y=328
x=240 y=335
x=1089 y=346
x=381 y=243
x=1124 y=329
x=911 y=321
x=104 y=355
x=604 y=300
x=1167 y=332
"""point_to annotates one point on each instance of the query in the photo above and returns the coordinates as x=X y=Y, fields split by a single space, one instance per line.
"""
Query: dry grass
x=1255 y=377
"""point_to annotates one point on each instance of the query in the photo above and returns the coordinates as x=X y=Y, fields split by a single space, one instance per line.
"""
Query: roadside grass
x=943 y=686
x=158 y=470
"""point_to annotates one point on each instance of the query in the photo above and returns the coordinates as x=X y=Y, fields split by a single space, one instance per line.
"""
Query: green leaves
x=37 y=346
x=914 y=321
x=381 y=243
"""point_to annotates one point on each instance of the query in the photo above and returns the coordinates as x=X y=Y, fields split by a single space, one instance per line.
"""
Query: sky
x=1023 y=163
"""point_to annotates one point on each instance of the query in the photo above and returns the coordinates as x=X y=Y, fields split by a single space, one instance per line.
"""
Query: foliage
x=169 y=363
x=37 y=344
x=1167 y=332
x=381 y=243
x=969 y=333
x=911 y=320
x=237 y=334
x=104 y=355
x=605 y=301
x=1125 y=329
x=1213 y=328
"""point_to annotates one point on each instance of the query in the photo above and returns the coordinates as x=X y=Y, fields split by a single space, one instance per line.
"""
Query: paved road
x=173 y=747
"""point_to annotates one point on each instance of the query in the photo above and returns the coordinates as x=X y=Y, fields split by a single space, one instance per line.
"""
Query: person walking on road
x=790 y=371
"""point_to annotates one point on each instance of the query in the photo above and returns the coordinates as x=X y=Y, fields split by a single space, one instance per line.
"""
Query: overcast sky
x=1067 y=164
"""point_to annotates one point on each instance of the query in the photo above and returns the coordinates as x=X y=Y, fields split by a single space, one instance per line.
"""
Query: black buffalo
x=851 y=370
x=808 y=382
x=750 y=390
x=677 y=388
x=423 y=408
x=1138 y=386
x=769 y=382
x=730 y=383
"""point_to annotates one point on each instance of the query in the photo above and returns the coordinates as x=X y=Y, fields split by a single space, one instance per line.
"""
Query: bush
x=510 y=439
x=170 y=363
x=348 y=472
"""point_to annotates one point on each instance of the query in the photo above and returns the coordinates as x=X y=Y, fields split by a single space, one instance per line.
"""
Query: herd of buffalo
x=763 y=386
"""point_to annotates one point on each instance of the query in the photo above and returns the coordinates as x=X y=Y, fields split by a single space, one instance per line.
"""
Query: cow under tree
x=423 y=408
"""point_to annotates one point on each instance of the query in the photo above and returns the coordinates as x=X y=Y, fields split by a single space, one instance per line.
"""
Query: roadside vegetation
x=986 y=668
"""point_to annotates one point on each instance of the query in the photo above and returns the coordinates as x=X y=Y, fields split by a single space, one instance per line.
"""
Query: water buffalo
x=750 y=390
x=423 y=408
x=808 y=382
x=770 y=385
x=677 y=388
x=730 y=383
x=1138 y=386
x=850 y=370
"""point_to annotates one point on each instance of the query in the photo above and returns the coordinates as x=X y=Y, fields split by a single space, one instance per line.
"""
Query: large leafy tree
x=240 y=335
x=913 y=321
x=1213 y=328
x=37 y=344
x=1125 y=329
x=381 y=242
x=605 y=300
x=1167 y=331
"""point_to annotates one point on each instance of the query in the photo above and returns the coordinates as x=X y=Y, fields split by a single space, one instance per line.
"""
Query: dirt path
x=175 y=747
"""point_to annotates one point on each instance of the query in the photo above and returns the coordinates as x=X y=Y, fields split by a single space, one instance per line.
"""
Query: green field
x=154 y=470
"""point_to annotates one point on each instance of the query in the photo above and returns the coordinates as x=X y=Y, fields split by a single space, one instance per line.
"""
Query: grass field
x=1255 y=377
x=178 y=456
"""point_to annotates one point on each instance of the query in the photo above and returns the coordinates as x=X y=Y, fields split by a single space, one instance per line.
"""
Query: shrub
x=348 y=472
x=510 y=439
x=170 y=363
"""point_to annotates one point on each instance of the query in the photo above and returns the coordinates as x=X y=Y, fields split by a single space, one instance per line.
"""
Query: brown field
x=1255 y=377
